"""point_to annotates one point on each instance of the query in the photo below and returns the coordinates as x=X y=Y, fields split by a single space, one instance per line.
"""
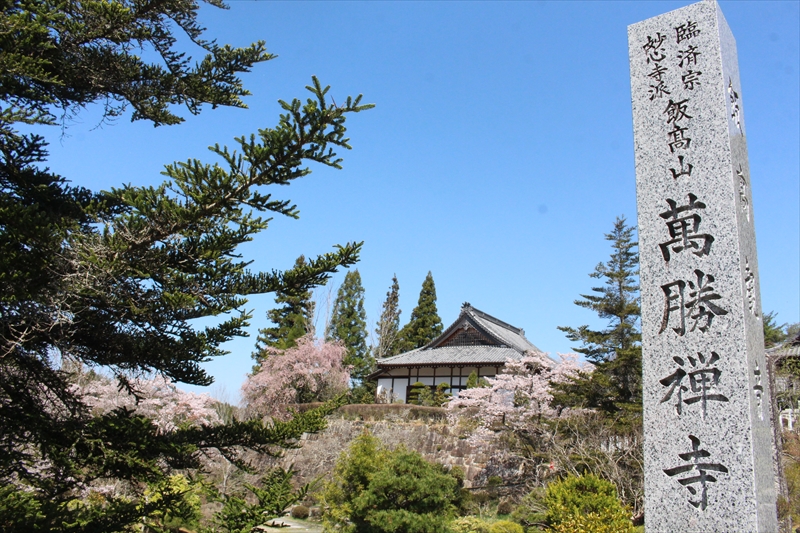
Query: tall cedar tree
x=291 y=321
x=388 y=326
x=616 y=383
x=117 y=279
x=424 y=324
x=349 y=325
x=774 y=333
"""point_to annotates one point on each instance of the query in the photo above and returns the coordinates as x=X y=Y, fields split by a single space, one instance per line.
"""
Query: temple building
x=785 y=384
x=475 y=342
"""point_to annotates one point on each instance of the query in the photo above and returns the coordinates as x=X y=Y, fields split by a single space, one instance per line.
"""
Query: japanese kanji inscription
x=703 y=379
x=708 y=444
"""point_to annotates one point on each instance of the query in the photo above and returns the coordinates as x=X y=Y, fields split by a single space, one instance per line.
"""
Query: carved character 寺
x=700 y=470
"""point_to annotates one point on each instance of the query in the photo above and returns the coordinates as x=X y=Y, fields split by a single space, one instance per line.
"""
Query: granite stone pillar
x=708 y=449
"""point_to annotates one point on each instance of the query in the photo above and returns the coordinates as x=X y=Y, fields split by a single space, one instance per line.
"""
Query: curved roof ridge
x=492 y=319
x=475 y=322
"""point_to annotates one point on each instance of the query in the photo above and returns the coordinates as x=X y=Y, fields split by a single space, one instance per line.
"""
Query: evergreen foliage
x=117 y=279
x=576 y=504
x=183 y=513
x=505 y=526
x=421 y=394
x=774 y=333
x=424 y=324
x=275 y=495
x=376 y=490
x=348 y=325
x=291 y=321
x=473 y=381
x=62 y=56
x=531 y=511
x=388 y=325
x=615 y=385
x=585 y=504
x=470 y=524
x=414 y=392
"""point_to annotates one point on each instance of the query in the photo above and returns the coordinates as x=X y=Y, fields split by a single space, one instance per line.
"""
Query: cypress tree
x=388 y=326
x=616 y=350
x=424 y=324
x=291 y=320
x=349 y=325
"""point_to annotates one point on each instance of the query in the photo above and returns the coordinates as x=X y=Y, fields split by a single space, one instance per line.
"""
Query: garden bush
x=469 y=524
x=605 y=521
x=300 y=511
x=394 y=491
x=505 y=506
x=506 y=526
x=532 y=510
x=585 y=504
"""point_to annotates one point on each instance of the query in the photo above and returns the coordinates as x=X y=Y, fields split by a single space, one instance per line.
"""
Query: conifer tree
x=291 y=321
x=424 y=324
x=388 y=326
x=616 y=383
x=775 y=333
x=349 y=325
x=117 y=279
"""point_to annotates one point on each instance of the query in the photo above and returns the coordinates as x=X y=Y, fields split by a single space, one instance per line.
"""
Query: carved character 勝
x=697 y=303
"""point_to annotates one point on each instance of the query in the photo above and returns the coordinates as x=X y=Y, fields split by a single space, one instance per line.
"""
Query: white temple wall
x=399 y=379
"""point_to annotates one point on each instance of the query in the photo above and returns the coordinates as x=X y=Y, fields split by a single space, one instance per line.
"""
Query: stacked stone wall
x=424 y=430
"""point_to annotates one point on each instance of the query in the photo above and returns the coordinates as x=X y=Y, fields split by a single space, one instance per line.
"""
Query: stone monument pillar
x=708 y=447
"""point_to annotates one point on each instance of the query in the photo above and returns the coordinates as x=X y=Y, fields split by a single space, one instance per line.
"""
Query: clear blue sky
x=499 y=153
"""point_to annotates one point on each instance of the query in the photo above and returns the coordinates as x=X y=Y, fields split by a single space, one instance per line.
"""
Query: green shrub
x=392 y=411
x=469 y=524
x=417 y=388
x=505 y=506
x=377 y=490
x=606 y=521
x=473 y=381
x=184 y=509
x=492 y=484
x=300 y=511
x=585 y=504
x=421 y=394
x=505 y=526
x=532 y=510
x=271 y=499
x=364 y=393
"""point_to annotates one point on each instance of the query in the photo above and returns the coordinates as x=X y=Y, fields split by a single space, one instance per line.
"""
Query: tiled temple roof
x=787 y=349
x=452 y=355
x=475 y=338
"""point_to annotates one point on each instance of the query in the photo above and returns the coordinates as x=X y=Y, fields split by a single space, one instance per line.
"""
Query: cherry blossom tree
x=521 y=394
x=310 y=371
x=158 y=399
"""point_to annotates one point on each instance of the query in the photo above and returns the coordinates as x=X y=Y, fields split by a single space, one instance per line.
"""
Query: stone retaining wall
x=426 y=432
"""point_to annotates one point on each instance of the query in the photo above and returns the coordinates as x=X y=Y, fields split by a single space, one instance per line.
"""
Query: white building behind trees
x=475 y=342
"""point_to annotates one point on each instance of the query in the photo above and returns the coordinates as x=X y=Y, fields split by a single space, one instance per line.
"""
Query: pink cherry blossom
x=159 y=399
x=310 y=371
x=521 y=394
